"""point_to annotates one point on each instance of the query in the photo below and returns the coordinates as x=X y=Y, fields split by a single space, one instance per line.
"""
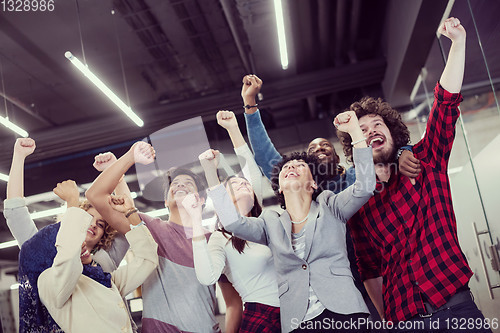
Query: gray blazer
x=326 y=267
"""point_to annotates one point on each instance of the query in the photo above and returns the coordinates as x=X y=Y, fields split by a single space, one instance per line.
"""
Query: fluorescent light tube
x=48 y=212
x=4 y=177
x=99 y=84
x=13 y=127
x=11 y=243
x=278 y=9
x=158 y=212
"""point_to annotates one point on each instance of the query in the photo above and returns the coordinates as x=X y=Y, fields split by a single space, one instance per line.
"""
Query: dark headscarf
x=37 y=254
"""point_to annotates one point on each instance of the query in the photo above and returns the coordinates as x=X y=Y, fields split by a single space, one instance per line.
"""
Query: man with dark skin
x=337 y=177
x=267 y=156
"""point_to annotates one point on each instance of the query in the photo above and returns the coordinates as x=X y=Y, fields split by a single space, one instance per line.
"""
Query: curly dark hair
x=109 y=233
x=317 y=172
x=392 y=118
x=238 y=243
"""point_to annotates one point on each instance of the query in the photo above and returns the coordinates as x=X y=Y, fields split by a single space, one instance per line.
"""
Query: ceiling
x=172 y=60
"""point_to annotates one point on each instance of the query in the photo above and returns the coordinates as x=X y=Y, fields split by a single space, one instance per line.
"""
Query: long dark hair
x=238 y=243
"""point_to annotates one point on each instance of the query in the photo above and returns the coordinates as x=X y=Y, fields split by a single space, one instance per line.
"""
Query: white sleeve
x=129 y=277
x=209 y=259
x=56 y=284
x=19 y=220
x=346 y=203
x=110 y=259
x=250 y=169
x=252 y=229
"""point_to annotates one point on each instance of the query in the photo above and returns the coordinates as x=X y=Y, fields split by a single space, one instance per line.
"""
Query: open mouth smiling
x=377 y=142
x=291 y=174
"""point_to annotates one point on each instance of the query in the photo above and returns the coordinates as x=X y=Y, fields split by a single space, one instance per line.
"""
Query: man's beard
x=385 y=157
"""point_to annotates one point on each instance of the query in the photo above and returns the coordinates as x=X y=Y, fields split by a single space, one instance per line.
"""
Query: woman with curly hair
x=307 y=241
x=77 y=293
x=39 y=250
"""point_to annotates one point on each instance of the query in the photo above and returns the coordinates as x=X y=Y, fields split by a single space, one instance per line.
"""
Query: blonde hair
x=109 y=233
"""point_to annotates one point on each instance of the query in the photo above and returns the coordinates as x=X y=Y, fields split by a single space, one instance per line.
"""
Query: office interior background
x=172 y=60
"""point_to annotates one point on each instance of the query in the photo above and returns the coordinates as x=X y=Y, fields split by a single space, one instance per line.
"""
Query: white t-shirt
x=252 y=272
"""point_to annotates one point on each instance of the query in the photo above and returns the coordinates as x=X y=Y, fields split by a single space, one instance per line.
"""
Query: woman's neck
x=297 y=206
x=244 y=207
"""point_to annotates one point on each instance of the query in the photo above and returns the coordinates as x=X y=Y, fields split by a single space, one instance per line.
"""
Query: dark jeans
x=460 y=318
x=329 y=321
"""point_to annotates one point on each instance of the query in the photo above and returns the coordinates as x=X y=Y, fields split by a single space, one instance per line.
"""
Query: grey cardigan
x=326 y=267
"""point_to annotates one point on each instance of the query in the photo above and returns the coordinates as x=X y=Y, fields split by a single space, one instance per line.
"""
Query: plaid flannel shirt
x=407 y=233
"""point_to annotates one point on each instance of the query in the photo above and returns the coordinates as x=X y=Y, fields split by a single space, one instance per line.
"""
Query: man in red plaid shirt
x=405 y=237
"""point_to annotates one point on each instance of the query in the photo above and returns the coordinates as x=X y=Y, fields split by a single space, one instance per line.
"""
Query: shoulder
x=149 y=220
x=270 y=214
x=218 y=237
x=323 y=197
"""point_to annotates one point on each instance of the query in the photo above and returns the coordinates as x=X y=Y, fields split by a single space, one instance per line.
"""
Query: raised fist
x=144 y=153
x=209 y=159
x=68 y=191
x=103 y=161
x=452 y=29
x=227 y=119
x=251 y=86
x=24 y=147
x=120 y=203
x=346 y=121
x=191 y=203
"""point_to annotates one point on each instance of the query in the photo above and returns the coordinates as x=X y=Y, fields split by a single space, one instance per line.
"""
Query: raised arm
x=102 y=162
x=145 y=259
x=249 y=228
x=266 y=154
x=99 y=193
x=453 y=73
x=348 y=202
x=209 y=260
x=435 y=147
x=56 y=284
x=22 y=149
x=249 y=167
x=15 y=211
x=110 y=259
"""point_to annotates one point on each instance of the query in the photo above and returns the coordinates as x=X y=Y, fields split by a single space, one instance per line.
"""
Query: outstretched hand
x=452 y=29
x=144 y=153
x=103 y=161
x=68 y=191
x=120 y=203
x=227 y=119
x=209 y=159
x=24 y=147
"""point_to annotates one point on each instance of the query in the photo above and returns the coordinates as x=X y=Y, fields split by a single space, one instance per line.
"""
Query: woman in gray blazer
x=316 y=288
